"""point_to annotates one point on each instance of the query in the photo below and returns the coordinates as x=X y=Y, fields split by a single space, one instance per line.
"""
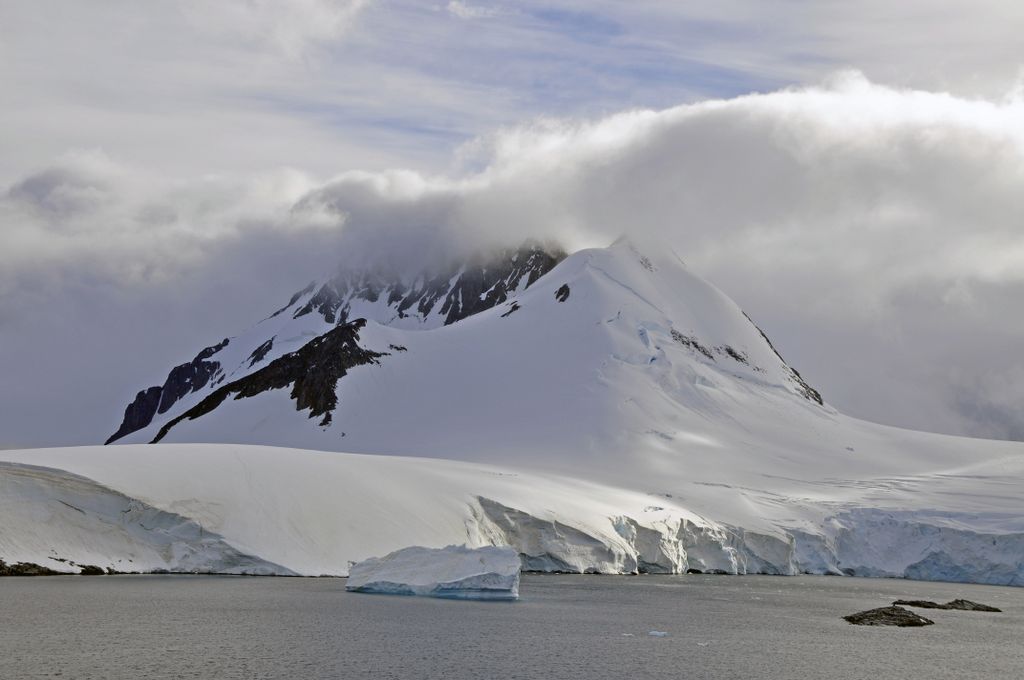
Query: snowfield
x=283 y=511
x=618 y=415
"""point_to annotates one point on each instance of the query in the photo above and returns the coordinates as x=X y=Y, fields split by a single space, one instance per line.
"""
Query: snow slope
x=75 y=522
x=411 y=300
x=619 y=414
x=316 y=512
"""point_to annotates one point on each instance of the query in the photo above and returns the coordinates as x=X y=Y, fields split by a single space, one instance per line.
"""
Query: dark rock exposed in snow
x=260 y=352
x=451 y=293
x=139 y=413
x=458 y=291
x=190 y=377
x=312 y=371
x=805 y=389
x=888 y=616
x=182 y=380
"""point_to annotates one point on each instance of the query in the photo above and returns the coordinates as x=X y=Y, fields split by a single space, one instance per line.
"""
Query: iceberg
x=459 y=572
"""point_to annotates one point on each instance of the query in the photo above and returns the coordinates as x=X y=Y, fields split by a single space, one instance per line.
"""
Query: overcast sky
x=850 y=173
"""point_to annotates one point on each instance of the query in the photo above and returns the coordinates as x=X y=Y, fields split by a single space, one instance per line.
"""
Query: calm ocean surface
x=762 y=627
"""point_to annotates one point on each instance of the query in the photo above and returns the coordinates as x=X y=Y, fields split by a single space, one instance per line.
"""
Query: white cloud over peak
x=873 y=232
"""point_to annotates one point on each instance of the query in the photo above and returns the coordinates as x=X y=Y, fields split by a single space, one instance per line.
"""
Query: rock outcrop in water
x=888 y=616
x=24 y=569
x=960 y=605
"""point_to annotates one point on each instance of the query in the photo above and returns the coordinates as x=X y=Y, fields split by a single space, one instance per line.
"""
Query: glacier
x=454 y=572
x=313 y=513
x=616 y=414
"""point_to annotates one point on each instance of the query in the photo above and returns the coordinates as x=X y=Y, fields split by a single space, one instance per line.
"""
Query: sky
x=850 y=173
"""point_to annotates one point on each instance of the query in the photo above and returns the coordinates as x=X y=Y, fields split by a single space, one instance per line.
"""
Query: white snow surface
x=455 y=571
x=592 y=434
x=65 y=522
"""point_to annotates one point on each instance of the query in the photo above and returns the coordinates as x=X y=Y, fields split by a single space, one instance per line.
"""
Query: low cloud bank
x=874 y=233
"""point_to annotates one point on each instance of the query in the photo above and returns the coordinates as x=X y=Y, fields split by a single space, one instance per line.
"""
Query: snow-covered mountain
x=330 y=308
x=555 y=347
x=606 y=411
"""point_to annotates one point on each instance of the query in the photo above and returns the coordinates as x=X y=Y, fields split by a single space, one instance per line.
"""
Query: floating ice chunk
x=490 y=573
x=657 y=633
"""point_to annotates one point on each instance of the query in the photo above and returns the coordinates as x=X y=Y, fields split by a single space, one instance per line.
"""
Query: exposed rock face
x=139 y=413
x=260 y=352
x=190 y=377
x=961 y=605
x=805 y=389
x=454 y=292
x=888 y=616
x=182 y=380
x=428 y=299
x=313 y=372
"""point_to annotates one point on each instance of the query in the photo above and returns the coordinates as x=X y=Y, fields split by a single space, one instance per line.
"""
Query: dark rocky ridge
x=458 y=291
x=809 y=392
x=260 y=352
x=182 y=380
x=313 y=372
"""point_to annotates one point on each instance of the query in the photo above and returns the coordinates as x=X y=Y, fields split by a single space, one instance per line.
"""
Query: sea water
x=595 y=627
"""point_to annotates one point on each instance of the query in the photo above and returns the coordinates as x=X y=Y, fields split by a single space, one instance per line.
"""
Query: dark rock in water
x=25 y=569
x=313 y=371
x=888 y=616
x=920 y=604
x=961 y=605
x=562 y=294
x=968 y=606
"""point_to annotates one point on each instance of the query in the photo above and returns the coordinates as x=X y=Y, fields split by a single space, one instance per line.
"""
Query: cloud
x=872 y=231
x=292 y=27
x=464 y=10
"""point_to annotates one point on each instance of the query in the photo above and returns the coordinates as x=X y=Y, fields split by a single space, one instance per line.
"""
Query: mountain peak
x=460 y=358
